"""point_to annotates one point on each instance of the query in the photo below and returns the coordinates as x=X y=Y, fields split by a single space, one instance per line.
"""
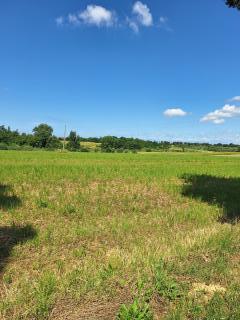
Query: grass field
x=119 y=236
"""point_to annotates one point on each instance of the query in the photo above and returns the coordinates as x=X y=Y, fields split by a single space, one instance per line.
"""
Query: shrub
x=3 y=146
x=14 y=147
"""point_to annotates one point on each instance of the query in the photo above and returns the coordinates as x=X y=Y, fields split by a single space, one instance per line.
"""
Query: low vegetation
x=43 y=139
x=119 y=236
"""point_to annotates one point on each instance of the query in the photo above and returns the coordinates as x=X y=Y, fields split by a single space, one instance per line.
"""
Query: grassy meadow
x=119 y=236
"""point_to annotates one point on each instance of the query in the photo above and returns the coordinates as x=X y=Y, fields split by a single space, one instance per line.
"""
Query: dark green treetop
x=233 y=3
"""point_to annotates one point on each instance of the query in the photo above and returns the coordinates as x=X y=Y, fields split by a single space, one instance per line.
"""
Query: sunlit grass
x=102 y=223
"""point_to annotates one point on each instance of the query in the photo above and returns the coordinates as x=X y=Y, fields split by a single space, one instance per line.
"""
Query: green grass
x=80 y=231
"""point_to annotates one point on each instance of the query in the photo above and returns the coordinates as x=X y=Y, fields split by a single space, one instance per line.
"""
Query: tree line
x=42 y=138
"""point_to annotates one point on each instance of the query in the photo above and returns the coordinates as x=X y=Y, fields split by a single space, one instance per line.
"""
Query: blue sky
x=151 y=69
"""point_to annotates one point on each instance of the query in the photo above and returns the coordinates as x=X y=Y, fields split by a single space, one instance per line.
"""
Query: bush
x=3 y=146
x=120 y=150
x=26 y=147
x=53 y=143
x=73 y=142
x=14 y=147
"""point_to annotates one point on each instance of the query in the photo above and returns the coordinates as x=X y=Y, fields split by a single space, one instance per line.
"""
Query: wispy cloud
x=235 y=99
x=133 y=25
x=174 y=112
x=220 y=115
x=59 y=21
x=164 y=24
x=73 y=19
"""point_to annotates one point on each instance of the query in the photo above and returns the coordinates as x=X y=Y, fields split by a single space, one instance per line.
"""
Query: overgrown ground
x=119 y=236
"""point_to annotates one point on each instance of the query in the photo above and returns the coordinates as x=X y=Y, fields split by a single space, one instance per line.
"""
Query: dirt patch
x=94 y=310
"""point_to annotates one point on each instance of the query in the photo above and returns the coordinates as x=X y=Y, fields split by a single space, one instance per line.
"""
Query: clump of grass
x=69 y=209
x=42 y=203
x=44 y=295
x=166 y=286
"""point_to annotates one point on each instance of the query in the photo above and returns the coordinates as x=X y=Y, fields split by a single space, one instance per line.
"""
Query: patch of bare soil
x=88 y=310
x=100 y=309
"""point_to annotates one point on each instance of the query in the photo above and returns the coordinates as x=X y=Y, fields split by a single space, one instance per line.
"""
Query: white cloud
x=100 y=16
x=141 y=17
x=97 y=15
x=175 y=112
x=235 y=99
x=143 y=13
x=59 y=21
x=218 y=116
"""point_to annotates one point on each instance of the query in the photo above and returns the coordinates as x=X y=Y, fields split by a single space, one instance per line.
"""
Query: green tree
x=233 y=4
x=42 y=134
x=53 y=143
x=73 y=142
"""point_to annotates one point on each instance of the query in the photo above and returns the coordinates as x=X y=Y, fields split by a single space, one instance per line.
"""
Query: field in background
x=126 y=236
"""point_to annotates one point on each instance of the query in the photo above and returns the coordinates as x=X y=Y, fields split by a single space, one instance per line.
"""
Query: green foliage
x=166 y=286
x=3 y=146
x=42 y=203
x=73 y=142
x=138 y=310
x=42 y=135
x=53 y=143
x=112 y=144
x=69 y=209
x=233 y=4
x=43 y=138
x=44 y=294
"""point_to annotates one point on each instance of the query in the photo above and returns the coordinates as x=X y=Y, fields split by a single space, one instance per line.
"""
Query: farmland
x=119 y=236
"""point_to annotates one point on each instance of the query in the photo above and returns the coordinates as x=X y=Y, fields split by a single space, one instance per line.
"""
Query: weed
x=138 y=310
x=166 y=286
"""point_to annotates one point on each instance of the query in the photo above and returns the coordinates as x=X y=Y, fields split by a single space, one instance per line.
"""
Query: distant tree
x=53 y=143
x=233 y=3
x=73 y=142
x=7 y=136
x=42 y=134
x=165 y=145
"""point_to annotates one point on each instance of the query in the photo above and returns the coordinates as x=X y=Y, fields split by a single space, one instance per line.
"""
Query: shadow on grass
x=220 y=191
x=11 y=236
x=8 y=201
